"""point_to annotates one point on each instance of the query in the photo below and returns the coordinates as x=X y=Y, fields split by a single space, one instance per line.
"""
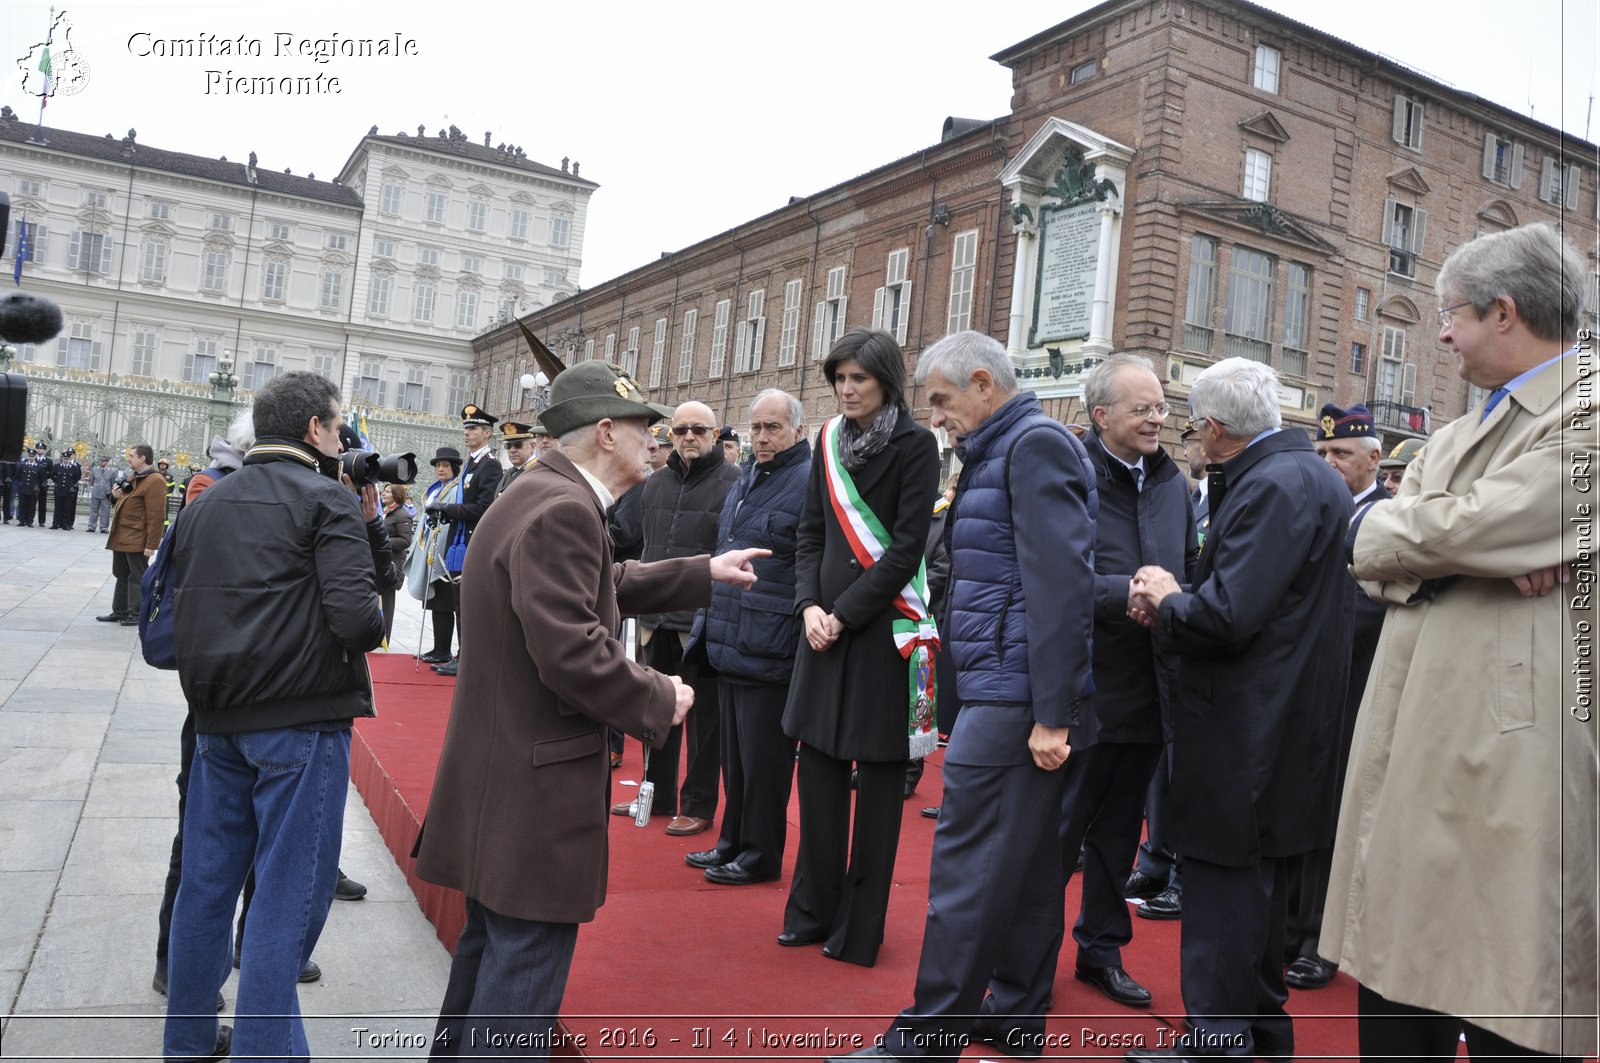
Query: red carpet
x=676 y=966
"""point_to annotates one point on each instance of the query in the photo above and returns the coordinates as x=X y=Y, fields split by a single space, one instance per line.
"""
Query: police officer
x=101 y=477
x=42 y=485
x=479 y=477
x=65 y=477
x=27 y=482
x=520 y=450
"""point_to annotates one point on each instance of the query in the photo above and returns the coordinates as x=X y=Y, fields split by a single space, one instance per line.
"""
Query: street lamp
x=222 y=384
x=540 y=384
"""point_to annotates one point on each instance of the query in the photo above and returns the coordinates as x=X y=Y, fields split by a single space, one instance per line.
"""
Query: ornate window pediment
x=1266 y=125
x=1409 y=180
x=1265 y=218
x=1399 y=308
x=1498 y=213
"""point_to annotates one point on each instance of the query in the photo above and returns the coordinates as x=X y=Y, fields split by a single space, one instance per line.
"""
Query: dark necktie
x=1216 y=487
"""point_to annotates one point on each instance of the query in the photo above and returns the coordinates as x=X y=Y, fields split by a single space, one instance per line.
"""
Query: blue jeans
x=274 y=799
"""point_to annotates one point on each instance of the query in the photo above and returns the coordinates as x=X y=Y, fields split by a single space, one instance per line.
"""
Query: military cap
x=1189 y=430
x=663 y=435
x=537 y=429
x=592 y=391
x=513 y=432
x=727 y=435
x=1354 y=423
x=1401 y=455
x=471 y=415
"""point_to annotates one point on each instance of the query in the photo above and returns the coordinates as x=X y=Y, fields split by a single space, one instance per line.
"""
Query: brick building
x=1241 y=184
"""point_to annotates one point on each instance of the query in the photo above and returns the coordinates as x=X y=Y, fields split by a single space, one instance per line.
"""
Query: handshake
x=1146 y=590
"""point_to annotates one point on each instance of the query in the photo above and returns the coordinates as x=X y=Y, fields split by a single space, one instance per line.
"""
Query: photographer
x=137 y=524
x=293 y=561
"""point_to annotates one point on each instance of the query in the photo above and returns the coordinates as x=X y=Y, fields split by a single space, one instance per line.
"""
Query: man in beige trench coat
x=517 y=820
x=1462 y=897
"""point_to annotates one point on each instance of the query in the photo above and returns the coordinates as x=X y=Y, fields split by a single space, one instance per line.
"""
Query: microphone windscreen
x=26 y=318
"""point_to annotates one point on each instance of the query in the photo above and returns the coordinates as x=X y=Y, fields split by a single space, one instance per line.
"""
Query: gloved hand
x=438 y=511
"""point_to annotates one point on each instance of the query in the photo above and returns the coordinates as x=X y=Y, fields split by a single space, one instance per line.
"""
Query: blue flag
x=24 y=251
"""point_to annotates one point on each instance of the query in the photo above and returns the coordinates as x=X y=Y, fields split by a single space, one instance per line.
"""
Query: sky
x=693 y=117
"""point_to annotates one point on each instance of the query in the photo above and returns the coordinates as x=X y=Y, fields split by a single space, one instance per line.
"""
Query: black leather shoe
x=1168 y=904
x=706 y=858
x=129 y=621
x=870 y=1052
x=112 y=618
x=793 y=938
x=433 y=657
x=1309 y=972
x=159 y=984
x=447 y=668
x=931 y=812
x=1014 y=1041
x=348 y=889
x=1143 y=886
x=1115 y=983
x=731 y=874
x=223 y=1048
x=310 y=972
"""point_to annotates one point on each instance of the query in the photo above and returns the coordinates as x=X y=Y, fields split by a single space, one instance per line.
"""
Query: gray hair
x=1533 y=266
x=1098 y=388
x=797 y=410
x=1239 y=392
x=960 y=354
x=241 y=435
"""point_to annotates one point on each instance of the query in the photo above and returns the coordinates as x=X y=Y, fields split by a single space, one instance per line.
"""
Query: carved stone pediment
x=1265 y=218
x=1266 y=125
x=1409 y=180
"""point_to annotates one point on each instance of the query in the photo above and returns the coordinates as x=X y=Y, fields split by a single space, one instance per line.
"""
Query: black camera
x=368 y=467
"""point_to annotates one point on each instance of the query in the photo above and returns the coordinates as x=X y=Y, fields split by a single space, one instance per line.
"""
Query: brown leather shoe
x=616 y=761
x=685 y=825
x=622 y=808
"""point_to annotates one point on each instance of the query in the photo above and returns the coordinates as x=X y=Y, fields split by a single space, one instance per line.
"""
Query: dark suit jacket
x=850 y=702
x=518 y=816
x=1264 y=648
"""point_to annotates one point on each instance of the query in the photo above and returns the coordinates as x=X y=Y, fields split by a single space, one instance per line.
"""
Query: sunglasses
x=684 y=429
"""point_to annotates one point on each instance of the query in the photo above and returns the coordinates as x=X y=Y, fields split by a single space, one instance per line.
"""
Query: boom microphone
x=26 y=318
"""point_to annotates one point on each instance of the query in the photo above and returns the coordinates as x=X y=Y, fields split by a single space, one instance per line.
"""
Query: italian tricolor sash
x=916 y=635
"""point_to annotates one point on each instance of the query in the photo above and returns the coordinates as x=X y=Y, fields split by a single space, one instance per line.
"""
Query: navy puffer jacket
x=751 y=635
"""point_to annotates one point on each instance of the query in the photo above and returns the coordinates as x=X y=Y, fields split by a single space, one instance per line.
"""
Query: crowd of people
x=1323 y=701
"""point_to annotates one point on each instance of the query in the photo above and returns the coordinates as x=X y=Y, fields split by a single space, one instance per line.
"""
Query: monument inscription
x=1069 y=247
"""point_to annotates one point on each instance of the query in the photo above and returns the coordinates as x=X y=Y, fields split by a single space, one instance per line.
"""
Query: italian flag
x=49 y=78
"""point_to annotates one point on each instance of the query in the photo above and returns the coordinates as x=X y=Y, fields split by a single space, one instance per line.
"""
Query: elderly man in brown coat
x=137 y=525
x=517 y=820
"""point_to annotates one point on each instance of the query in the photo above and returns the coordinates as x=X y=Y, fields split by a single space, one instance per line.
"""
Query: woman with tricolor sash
x=863 y=691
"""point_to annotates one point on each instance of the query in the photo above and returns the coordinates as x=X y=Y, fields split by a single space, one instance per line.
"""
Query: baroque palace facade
x=170 y=267
x=1183 y=179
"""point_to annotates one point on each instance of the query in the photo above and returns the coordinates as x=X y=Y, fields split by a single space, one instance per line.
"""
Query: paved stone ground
x=88 y=753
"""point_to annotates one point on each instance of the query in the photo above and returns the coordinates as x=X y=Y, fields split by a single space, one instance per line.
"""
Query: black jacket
x=622 y=522
x=851 y=701
x=1134 y=528
x=276 y=600
x=678 y=512
x=1263 y=646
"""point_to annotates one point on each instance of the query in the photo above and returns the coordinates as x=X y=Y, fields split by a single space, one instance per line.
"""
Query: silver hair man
x=1239 y=394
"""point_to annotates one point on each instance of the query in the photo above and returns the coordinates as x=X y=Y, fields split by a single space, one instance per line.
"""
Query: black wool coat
x=1263 y=655
x=852 y=700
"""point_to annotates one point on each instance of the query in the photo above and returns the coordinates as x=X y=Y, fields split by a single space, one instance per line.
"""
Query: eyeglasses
x=1448 y=313
x=1143 y=412
x=699 y=430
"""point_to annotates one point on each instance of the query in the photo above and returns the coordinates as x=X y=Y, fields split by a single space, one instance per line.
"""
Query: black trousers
x=25 y=509
x=1399 y=1033
x=5 y=498
x=1231 y=958
x=128 y=567
x=1156 y=857
x=842 y=876
x=1102 y=807
x=66 y=509
x=701 y=731
x=1308 y=892
x=39 y=501
x=757 y=776
x=506 y=982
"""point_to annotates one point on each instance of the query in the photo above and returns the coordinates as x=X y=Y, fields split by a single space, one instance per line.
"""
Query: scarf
x=857 y=445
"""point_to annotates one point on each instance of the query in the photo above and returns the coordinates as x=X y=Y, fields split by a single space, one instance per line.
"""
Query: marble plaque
x=1069 y=248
